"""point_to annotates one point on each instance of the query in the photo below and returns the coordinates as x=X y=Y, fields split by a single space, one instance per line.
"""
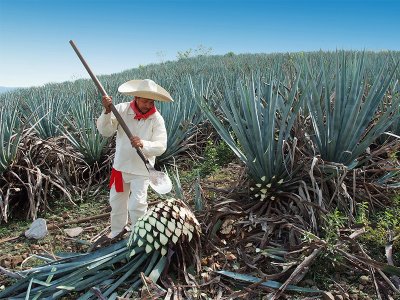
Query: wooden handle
x=102 y=90
x=94 y=78
x=140 y=153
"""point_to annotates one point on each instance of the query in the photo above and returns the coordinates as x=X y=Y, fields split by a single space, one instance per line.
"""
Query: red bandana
x=139 y=115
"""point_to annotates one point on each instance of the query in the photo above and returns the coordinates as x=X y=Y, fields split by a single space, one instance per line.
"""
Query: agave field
x=313 y=140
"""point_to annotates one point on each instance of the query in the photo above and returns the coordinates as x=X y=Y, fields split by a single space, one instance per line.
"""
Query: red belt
x=116 y=178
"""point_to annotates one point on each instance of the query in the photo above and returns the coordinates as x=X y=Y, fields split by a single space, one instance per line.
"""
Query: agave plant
x=181 y=120
x=82 y=132
x=259 y=119
x=45 y=110
x=395 y=127
x=167 y=232
x=347 y=114
x=10 y=136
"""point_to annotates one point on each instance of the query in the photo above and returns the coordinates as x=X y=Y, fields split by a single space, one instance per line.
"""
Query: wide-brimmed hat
x=145 y=88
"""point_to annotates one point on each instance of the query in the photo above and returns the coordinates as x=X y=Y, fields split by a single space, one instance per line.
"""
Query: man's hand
x=107 y=101
x=136 y=142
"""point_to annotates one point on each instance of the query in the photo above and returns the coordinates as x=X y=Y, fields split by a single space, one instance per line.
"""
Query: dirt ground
x=91 y=219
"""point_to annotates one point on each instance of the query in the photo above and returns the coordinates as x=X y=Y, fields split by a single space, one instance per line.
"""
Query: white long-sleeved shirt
x=151 y=131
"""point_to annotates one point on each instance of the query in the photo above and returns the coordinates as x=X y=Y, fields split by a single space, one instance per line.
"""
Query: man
x=129 y=177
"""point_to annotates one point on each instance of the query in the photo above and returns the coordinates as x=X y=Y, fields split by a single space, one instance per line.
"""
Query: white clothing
x=151 y=131
x=135 y=175
x=135 y=202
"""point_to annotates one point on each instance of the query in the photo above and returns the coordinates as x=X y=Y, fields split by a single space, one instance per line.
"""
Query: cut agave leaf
x=171 y=226
x=135 y=237
x=163 y=239
x=269 y=283
x=160 y=226
x=156 y=245
x=183 y=213
x=148 y=248
x=168 y=233
x=148 y=227
x=185 y=230
x=142 y=232
x=174 y=239
x=150 y=238
x=190 y=235
x=152 y=221
x=196 y=222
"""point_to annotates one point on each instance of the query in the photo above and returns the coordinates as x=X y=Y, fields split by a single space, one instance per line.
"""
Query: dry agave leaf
x=227 y=226
x=150 y=289
x=230 y=256
x=13 y=261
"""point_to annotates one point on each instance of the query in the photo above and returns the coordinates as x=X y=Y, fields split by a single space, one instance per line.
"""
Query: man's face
x=144 y=104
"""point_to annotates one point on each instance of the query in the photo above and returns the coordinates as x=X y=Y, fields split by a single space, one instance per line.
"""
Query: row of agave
x=334 y=106
x=52 y=149
x=300 y=135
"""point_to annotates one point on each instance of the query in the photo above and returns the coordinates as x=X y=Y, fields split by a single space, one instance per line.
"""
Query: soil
x=19 y=252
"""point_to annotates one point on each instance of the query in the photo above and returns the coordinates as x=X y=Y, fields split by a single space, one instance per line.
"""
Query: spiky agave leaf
x=145 y=251
x=82 y=133
x=348 y=116
x=10 y=136
x=255 y=111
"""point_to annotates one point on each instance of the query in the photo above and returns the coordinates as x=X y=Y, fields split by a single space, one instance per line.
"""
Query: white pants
x=132 y=199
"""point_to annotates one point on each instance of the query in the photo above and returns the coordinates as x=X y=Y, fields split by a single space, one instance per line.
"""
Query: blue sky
x=115 y=35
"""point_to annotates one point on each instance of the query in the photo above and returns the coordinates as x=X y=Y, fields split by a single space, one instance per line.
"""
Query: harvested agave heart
x=164 y=225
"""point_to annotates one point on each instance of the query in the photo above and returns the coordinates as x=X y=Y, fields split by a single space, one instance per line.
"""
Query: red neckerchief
x=116 y=178
x=139 y=115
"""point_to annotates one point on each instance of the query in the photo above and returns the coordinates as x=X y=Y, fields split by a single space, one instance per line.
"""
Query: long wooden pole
x=101 y=89
x=113 y=109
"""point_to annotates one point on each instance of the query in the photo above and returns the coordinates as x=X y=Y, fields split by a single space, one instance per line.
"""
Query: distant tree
x=199 y=51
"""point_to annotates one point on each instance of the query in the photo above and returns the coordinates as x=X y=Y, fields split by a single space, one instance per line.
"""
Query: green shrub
x=215 y=156
x=378 y=228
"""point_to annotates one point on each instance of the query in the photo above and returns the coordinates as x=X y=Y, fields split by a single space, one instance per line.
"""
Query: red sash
x=116 y=178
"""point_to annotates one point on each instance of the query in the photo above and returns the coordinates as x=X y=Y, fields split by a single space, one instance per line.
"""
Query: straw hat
x=146 y=88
